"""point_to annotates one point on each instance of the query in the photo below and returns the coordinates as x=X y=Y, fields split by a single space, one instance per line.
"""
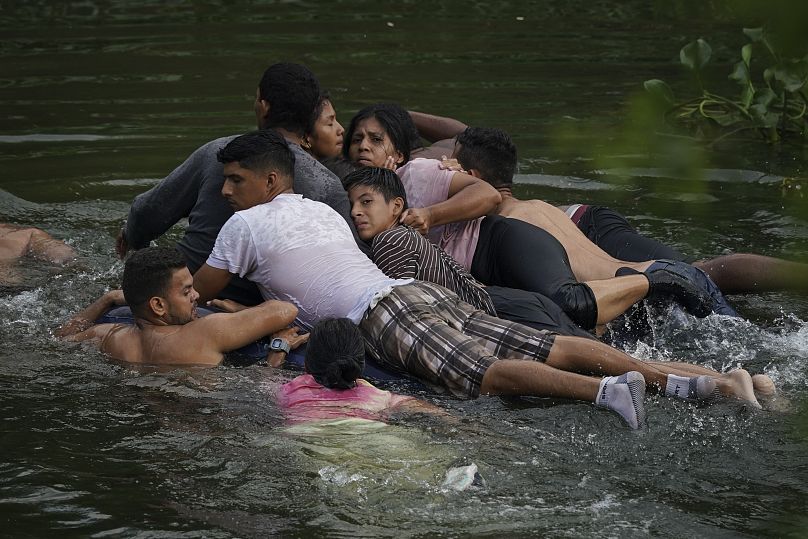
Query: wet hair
x=293 y=94
x=335 y=354
x=382 y=180
x=396 y=122
x=490 y=151
x=325 y=97
x=260 y=150
x=147 y=273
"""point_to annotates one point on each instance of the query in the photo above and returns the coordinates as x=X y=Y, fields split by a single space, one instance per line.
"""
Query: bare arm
x=209 y=281
x=436 y=128
x=469 y=198
x=225 y=332
x=82 y=325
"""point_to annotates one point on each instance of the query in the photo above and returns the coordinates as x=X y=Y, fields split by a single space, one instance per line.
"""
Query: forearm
x=89 y=315
x=434 y=128
x=474 y=201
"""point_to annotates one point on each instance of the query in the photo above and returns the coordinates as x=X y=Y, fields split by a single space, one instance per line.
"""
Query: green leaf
x=746 y=54
x=695 y=55
x=792 y=75
x=762 y=116
x=660 y=91
x=754 y=34
x=747 y=94
x=765 y=97
x=741 y=74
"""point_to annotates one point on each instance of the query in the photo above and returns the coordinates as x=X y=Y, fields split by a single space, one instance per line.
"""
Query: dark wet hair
x=383 y=180
x=490 y=151
x=147 y=273
x=325 y=97
x=335 y=354
x=293 y=94
x=260 y=150
x=396 y=122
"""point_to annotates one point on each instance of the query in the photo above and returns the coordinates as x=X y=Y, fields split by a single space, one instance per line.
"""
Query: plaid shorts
x=427 y=331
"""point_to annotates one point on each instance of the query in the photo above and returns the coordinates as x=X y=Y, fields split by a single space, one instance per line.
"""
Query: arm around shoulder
x=469 y=198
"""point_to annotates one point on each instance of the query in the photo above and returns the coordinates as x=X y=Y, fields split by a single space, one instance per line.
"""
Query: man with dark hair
x=735 y=273
x=160 y=291
x=490 y=153
x=301 y=251
x=285 y=101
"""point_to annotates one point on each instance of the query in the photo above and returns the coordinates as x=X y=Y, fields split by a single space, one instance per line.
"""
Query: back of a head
x=382 y=180
x=260 y=150
x=335 y=354
x=147 y=273
x=490 y=151
x=293 y=94
x=395 y=120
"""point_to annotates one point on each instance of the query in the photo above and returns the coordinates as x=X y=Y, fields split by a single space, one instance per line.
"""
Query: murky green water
x=99 y=100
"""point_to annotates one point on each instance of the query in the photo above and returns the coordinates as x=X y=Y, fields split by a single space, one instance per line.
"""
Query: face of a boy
x=370 y=212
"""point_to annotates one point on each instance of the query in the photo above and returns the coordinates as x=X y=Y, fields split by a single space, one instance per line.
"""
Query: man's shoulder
x=183 y=344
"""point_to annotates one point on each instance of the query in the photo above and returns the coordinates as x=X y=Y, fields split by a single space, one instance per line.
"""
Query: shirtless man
x=160 y=291
x=491 y=155
x=735 y=273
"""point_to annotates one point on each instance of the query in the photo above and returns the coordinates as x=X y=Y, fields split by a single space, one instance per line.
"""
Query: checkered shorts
x=427 y=331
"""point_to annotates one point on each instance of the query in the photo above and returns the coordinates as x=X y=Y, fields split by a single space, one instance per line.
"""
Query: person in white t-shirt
x=302 y=251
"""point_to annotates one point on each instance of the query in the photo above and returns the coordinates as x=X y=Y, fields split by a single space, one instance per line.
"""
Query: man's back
x=300 y=251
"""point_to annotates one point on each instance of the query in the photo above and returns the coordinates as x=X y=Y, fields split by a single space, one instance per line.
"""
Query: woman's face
x=370 y=146
x=326 y=140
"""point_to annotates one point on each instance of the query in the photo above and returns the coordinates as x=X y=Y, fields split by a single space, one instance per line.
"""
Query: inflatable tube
x=257 y=351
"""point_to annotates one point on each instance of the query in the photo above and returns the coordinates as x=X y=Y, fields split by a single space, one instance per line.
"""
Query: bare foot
x=764 y=386
x=738 y=384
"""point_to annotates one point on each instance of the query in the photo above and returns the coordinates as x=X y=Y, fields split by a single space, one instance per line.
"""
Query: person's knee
x=578 y=301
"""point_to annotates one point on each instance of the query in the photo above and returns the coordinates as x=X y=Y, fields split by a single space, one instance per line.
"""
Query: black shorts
x=516 y=254
x=611 y=232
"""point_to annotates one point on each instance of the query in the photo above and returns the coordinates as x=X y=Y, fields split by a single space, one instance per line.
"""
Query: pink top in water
x=304 y=399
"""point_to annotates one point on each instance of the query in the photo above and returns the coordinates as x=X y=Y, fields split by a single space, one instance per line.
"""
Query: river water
x=99 y=100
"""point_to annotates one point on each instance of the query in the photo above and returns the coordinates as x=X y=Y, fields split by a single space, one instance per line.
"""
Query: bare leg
x=737 y=383
x=521 y=377
x=746 y=273
x=614 y=296
x=592 y=357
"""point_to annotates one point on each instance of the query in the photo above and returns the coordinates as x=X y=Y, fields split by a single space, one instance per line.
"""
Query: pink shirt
x=427 y=184
x=305 y=400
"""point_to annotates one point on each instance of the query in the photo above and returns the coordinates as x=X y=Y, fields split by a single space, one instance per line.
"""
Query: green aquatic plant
x=772 y=101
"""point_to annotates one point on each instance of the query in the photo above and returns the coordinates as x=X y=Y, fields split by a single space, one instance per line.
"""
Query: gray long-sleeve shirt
x=193 y=190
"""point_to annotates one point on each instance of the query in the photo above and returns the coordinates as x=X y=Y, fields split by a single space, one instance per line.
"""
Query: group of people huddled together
x=366 y=243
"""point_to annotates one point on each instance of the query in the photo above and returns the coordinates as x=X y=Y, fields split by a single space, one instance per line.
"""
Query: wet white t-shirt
x=303 y=252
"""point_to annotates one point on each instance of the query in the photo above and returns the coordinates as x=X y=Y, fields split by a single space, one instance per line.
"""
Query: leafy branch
x=773 y=106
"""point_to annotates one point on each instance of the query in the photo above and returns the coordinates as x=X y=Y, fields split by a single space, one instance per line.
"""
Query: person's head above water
x=335 y=355
x=287 y=97
x=487 y=153
x=378 y=132
x=257 y=167
x=158 y=287
x=325 y=139
x=377 y=200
